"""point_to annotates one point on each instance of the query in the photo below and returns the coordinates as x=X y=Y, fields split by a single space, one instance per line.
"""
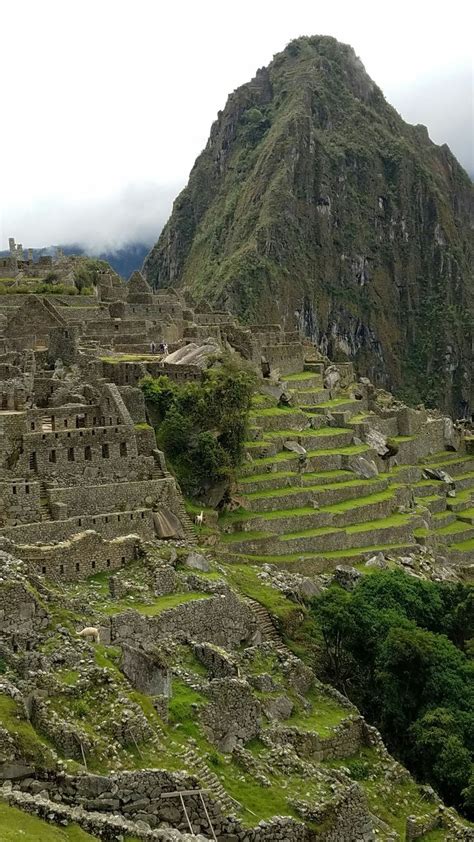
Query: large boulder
x=364 y=468
x=376 y=440
x=166 y=524
x=294 y=447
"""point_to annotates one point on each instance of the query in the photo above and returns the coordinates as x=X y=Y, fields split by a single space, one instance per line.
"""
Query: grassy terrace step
x=384 y=523
x=286 y=559
x=340 y=404
x=435 y=503
x=443 y=518
x=442 y=457
x=465 y=547
x=310 y=432
x=303 y=380
x=273 y=418
x=354 y=506
x=457 y=531
x=347 y=490
x=325 y=459
x=466 y=515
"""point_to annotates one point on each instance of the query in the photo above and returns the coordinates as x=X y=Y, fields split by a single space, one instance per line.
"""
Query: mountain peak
x=316 y=204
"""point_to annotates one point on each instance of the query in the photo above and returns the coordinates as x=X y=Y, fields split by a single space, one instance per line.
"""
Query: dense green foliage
x=397 y=646
x=88 y=271
x=202 y=426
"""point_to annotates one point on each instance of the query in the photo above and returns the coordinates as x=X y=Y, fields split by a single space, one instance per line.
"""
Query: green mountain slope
x=316 y=204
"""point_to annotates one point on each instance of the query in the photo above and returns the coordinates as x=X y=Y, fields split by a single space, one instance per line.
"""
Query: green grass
x=302 y=375
x=283 y=455
x=384 y=523
x=325 y=714
x=15 y=825
x=331 y=554
x=275 y=411
x=33 y=748
x=321 y=432
x=309 y=533
x=245 y=579
x=131 y=358
x=453 y=528
x=233 y=537
x=269 y=475
x=321 y=489
x=464 y=546
x=391 y=801
x=336 y=402
x=161 y=603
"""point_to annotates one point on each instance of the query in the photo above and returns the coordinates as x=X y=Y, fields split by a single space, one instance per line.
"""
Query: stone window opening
x=61 y=568
x=27 y=489
x=105 y=451
x=106 y=519
x=65 y=422
x=88 y=453
x=80 y=421
x=79 y=522
x=123 y=559
x=14 y=489
x=32 y=425
x=93 y=564
x=43 y=569
x=77 y=567
x=108 y=562
x=143 y=515
x=123 y=448
x=70 y=454
x=52 y=456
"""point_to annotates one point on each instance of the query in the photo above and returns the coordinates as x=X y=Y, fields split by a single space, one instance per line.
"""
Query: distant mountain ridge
x=124 y=260
x=316 y=205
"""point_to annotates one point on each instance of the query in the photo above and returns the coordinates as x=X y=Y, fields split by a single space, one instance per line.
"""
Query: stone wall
x=20 y=611
x=139 y=796
x=113 y=497
x=222 y=619
x=19 y=501
x=345 y=740
x=85 y=554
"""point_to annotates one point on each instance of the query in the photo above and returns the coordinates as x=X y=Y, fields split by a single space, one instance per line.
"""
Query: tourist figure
x=165 y=348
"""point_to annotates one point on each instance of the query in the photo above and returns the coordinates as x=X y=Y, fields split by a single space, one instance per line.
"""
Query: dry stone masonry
x=182 y=712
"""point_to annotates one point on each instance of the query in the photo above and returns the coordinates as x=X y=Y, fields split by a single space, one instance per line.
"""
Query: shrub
x=202 y=426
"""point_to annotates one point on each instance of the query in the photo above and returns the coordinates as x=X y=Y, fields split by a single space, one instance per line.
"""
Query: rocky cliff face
x=314 y=204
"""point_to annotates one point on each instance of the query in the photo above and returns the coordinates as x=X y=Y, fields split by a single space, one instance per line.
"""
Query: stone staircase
x=193 y=761
x=266 y=625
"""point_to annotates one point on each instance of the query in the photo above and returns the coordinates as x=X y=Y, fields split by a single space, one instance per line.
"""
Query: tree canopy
x=398 y=647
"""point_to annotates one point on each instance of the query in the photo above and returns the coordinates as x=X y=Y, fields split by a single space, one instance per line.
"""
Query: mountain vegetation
x=398 y=646
x=202 y=426
x=316 y=204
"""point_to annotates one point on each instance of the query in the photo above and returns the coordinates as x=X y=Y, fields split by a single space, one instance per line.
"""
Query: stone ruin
x=81 y=480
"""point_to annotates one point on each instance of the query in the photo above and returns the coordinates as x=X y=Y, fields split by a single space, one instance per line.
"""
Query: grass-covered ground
x=17 y=826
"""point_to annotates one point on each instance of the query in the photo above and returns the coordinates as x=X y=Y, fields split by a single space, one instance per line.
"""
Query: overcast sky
x=107 y=103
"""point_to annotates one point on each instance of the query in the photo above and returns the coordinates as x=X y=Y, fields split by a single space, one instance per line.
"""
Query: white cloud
x=109 y=101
